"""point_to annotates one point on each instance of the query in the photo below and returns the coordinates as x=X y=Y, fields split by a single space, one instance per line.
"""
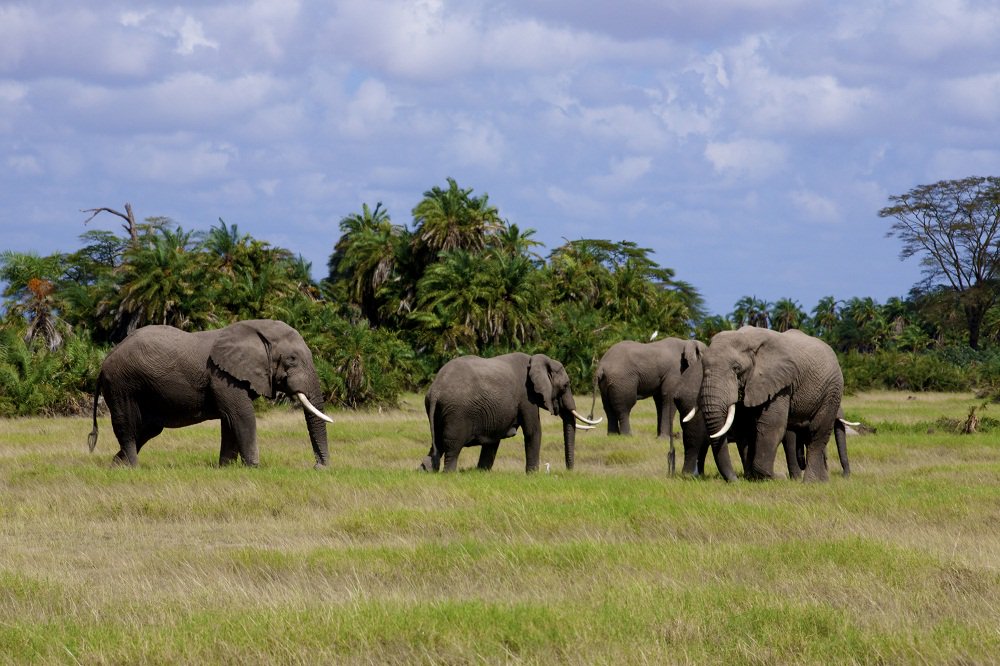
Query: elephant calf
x=477 y=401
x=161 y=377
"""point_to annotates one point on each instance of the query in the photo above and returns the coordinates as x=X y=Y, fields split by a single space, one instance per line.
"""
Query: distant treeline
x=400 y=300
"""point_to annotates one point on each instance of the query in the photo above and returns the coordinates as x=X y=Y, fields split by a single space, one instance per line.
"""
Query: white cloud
x=191 y=35
x=575 y=204
x=814 y=206
x=623 y=173
x=954 y=163
x=747 y=157
x=187 y=31
x=371 y=108
x=173 y=160
x=782 y=103
x=976 y=98
x=927 y=29
x=24 y=165
x=477 y=143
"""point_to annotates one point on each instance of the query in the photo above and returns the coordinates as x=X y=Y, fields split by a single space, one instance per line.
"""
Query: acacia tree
x=954 y=226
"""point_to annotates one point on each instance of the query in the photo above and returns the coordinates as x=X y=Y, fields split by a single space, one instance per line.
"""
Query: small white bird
x=653 y=336
x=546 y=468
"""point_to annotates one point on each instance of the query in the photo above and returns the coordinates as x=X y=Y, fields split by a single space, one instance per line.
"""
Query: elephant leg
x=126 y=421
x=239 y=429
x=695 y=449
x=488 y=454
x=612 y=414
x=770 y=428
x=816 y=465
x=431 y=462
x=229 y=451
x=665 y=427
x=624 y=422
x=532 y=445
x=789 y=443
x=451 y=458
x=720 y=451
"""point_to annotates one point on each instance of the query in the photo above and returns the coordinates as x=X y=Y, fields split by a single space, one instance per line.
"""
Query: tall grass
x=372 y=562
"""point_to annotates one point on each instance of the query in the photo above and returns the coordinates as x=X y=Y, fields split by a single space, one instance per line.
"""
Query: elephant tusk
x=728 y=424
x=309 y=406
x=585 y=419
x=690 y=415
x=580 y=426
x=853 y=424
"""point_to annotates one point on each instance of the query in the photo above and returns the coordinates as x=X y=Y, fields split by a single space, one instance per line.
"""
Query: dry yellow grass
x=372 y=562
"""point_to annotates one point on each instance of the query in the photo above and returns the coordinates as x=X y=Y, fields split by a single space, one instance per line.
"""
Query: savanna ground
x=372 y=562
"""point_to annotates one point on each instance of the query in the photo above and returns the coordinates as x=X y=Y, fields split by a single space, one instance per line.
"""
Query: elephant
x=795 y=453
x=669 y=371
x=783 y=382
x=477 y=401
x=162 y=377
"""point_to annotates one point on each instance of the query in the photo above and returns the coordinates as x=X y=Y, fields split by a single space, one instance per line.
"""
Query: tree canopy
x=954 y=227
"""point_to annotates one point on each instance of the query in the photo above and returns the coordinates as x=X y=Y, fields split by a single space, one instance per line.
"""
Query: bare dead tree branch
x=128 y=216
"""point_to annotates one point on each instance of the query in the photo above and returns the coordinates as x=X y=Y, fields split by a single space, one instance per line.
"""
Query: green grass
x=373 y=562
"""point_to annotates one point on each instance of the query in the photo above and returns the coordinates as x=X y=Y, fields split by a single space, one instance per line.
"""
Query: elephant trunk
x=311 y=397
x=569 y=439
x=317 y=437
x=716 y=402
x=569 y=417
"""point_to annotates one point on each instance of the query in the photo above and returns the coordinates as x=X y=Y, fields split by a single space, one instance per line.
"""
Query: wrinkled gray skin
x=477 y=401
x=668 y=371
x=783 y=381
x=795 y=455
x=161 y=377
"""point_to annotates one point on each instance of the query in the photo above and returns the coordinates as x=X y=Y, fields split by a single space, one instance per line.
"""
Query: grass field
x=372 y=562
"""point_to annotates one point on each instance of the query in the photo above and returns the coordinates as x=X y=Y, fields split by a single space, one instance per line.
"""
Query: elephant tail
x=840 y=437
x=593 y=398
x=92 y=437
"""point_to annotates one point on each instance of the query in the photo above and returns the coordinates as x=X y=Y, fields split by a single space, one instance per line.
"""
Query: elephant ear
x=691 y=372
x=538 y=375
x=243 y=352
x=773 y=370
x=691 y=353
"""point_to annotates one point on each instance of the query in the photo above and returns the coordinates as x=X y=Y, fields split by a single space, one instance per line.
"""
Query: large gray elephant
x=669 y=371
x=477 y=401
x=794 y=450
x=783 y=381
x=161 y=377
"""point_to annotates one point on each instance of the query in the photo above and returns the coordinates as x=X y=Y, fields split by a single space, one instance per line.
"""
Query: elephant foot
x=121 y=460
x=320 y=466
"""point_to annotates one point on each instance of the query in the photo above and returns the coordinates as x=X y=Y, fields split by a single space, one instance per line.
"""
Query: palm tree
x=750 y=311
x=365 y=257
x=31 y=287
x=825 y=317
x=161 y=282
x=453 y=219
x=863 y=325
x=786 y=314
x=513 y=242
x=224 y=242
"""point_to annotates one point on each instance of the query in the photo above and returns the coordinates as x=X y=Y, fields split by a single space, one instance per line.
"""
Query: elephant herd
x=756 y=387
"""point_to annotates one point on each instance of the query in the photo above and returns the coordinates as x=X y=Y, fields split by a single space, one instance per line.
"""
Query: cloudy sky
x=749 y=143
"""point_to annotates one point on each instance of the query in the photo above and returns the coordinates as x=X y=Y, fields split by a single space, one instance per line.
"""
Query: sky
x=749 y=143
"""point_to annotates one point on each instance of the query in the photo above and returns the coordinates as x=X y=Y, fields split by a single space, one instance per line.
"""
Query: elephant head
x=691 y=376
x=550 y=388
x=271 y=357
x=747 y=366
